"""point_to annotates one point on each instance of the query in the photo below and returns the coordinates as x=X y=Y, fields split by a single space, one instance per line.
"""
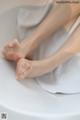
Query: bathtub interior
x=26 y=96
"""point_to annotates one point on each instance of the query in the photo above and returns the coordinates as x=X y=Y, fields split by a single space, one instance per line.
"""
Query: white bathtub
x=25 y=100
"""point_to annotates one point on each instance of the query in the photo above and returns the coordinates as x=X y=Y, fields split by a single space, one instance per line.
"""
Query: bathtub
x=25 y=100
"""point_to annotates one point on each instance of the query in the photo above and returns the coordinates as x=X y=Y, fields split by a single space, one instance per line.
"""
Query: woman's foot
x=15 y=50
x=30 y=69
x=24 y=68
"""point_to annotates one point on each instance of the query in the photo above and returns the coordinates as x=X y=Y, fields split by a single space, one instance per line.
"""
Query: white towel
x=66 y=78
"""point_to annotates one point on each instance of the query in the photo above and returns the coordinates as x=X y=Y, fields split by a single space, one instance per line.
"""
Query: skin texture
x=60 y=16
x=37 y=68
x=15 y=50
x=18 y=51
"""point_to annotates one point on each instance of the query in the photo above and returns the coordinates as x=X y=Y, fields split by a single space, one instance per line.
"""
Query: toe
x=23 y=69
x=14 y=44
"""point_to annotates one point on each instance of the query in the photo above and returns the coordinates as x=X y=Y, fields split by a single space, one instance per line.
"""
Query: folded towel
x=66 y=78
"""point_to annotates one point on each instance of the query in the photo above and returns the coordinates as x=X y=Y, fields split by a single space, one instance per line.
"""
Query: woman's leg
x=26 y=68
x=58 y=17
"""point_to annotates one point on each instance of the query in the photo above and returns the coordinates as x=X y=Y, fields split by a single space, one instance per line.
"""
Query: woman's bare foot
x=30 y=69
x=23 y=69
x=15 y=50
